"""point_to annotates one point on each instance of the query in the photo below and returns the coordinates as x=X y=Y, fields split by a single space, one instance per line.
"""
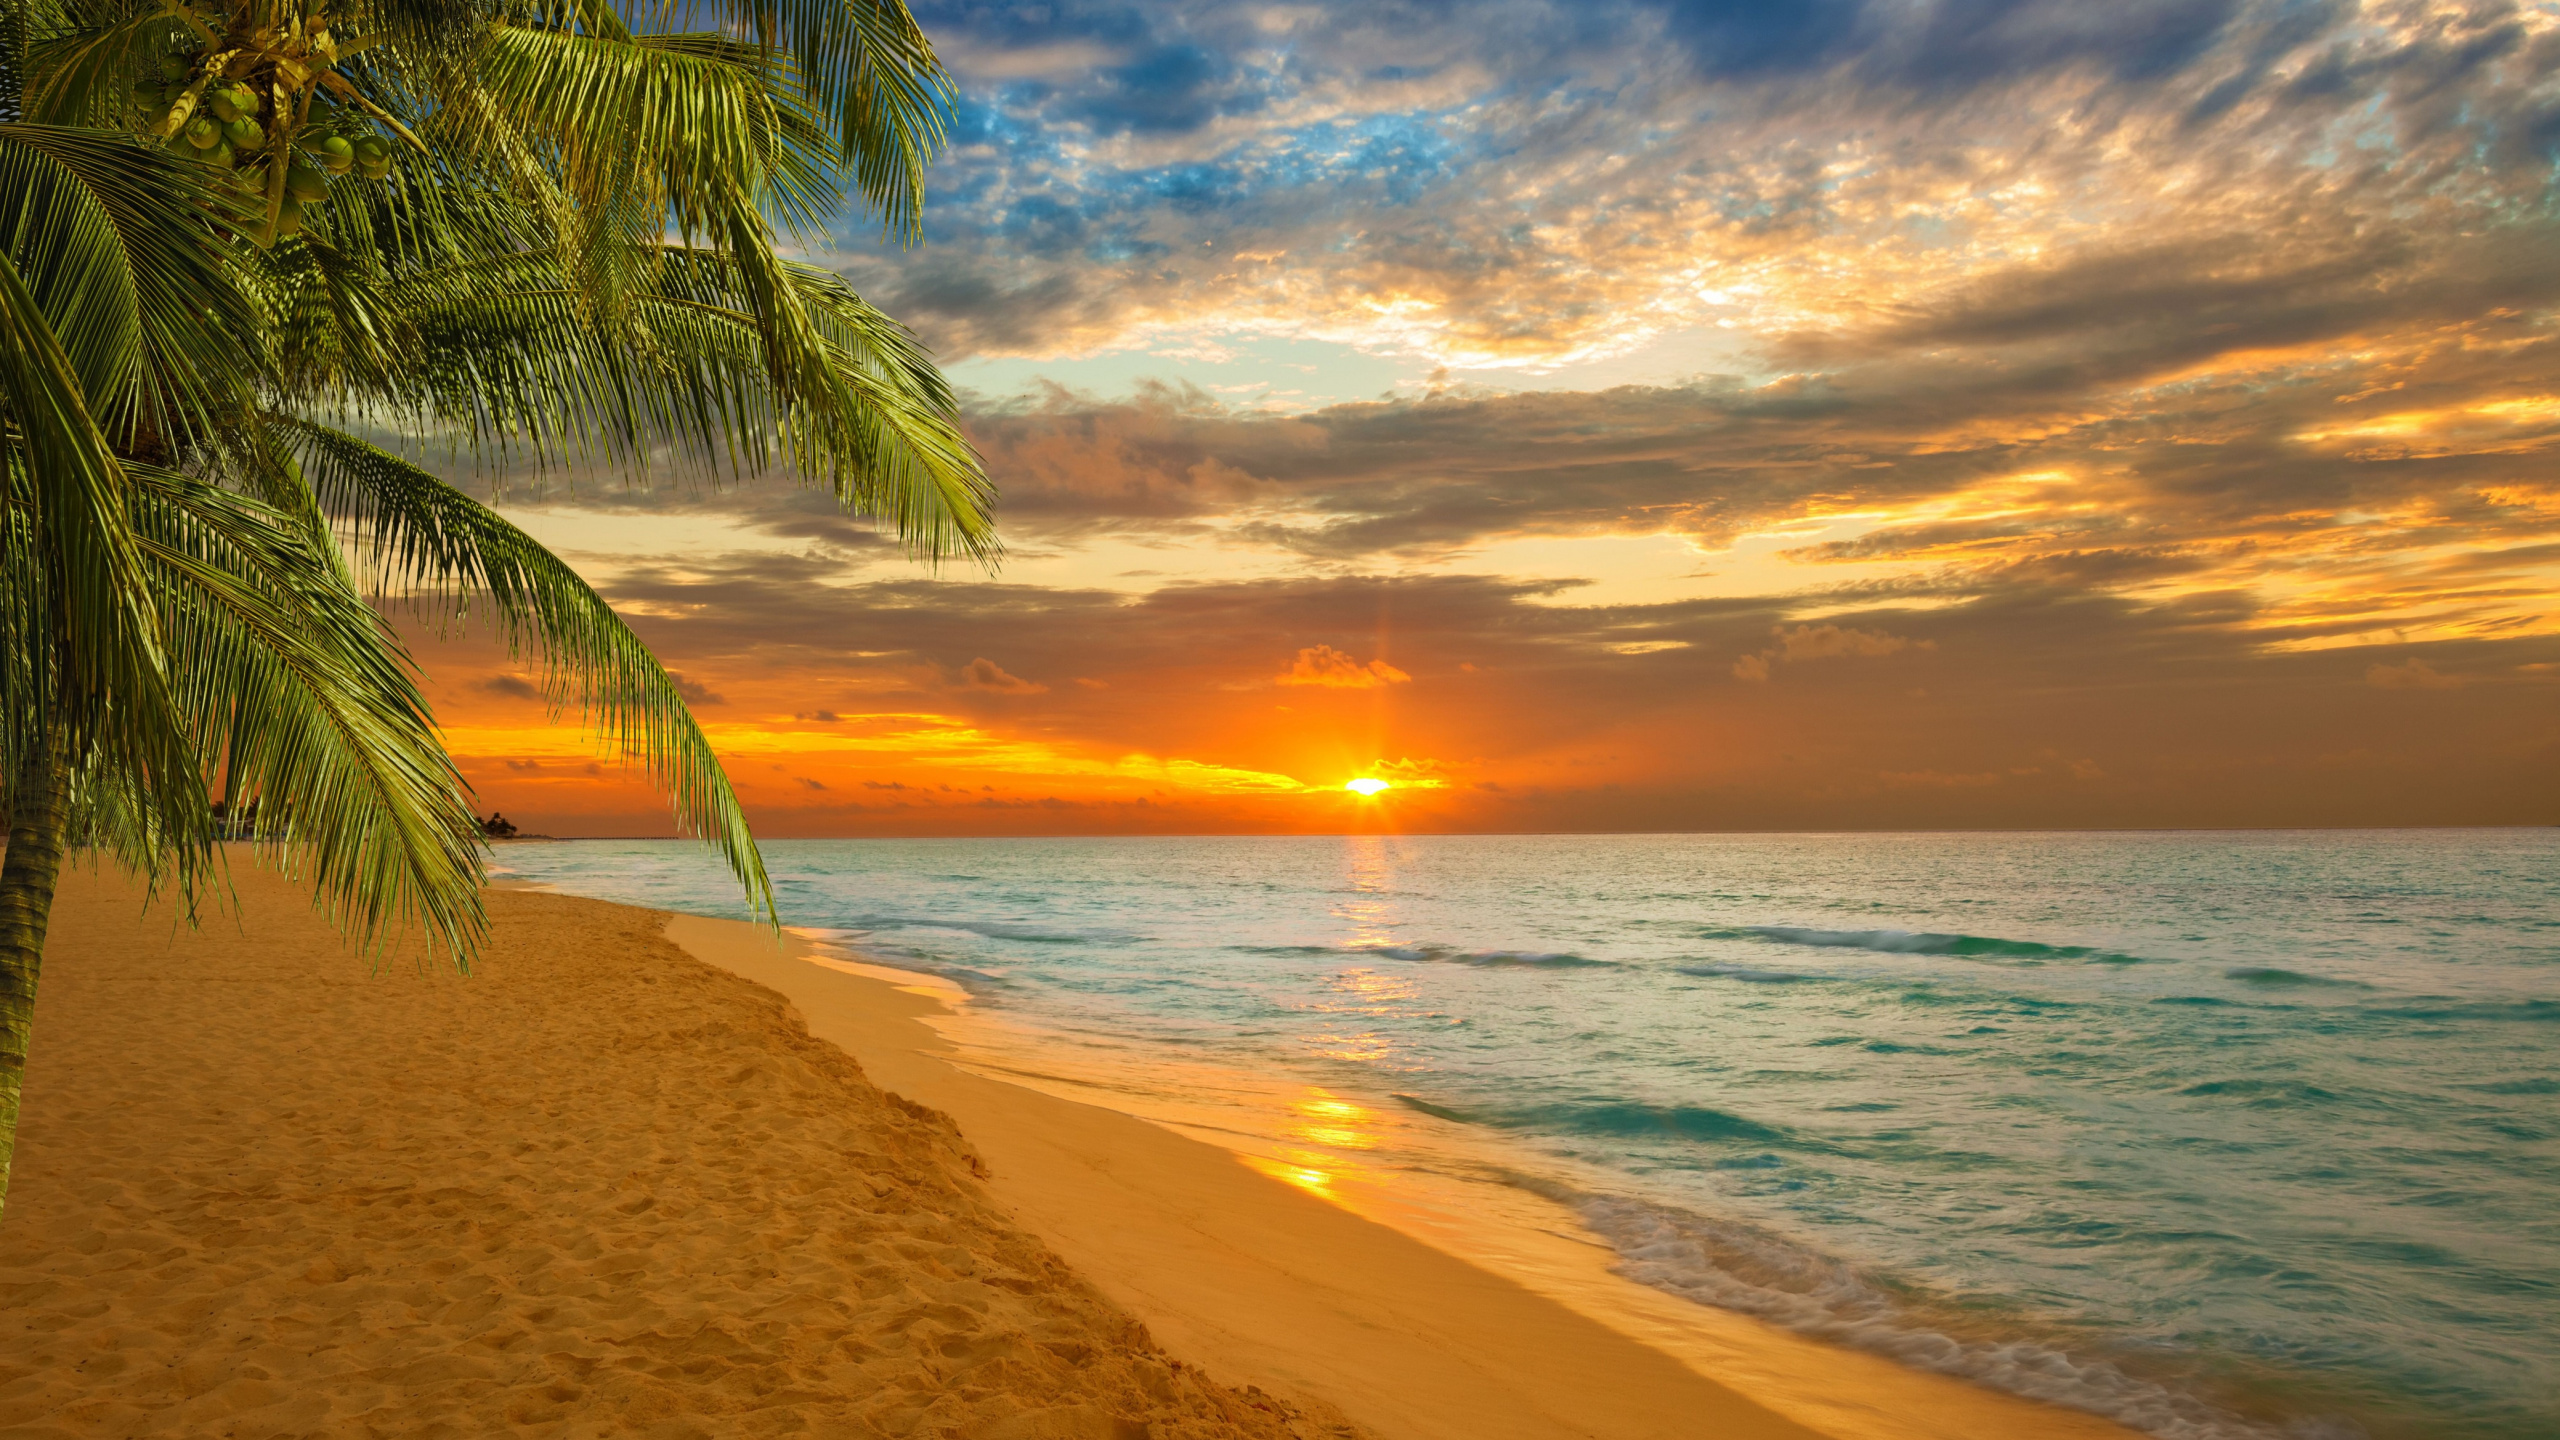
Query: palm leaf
x=309 y=706
x=117 y=242
x=96 y=675
x=419 y=535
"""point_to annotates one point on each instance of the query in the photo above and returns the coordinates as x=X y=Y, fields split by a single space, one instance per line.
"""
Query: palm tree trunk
x=37 y=826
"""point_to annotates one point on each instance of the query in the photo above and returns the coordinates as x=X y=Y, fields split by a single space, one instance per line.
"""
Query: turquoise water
x=2222 y=1135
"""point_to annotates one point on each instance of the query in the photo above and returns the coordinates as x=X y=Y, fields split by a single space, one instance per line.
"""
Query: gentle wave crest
x=1033 y=935
x=1740 y=1267
x=1441 y=954
x=1925 y=942
x=1621 y=1118
x=2275 y=978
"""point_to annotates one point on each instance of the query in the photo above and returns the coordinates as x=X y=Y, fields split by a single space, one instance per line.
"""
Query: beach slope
x=596 y=1188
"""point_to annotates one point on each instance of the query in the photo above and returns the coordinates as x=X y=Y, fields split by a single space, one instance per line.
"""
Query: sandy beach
x=652 y=1175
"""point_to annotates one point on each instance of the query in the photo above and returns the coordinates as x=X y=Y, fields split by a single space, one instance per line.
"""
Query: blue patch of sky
x=1035 y=193
x=1035 y=22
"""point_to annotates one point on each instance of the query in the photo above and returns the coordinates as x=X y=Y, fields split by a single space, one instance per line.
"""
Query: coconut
x=219 y=157
x=289 y=219
x=373 y=158
x=245 y=134
x=304 y=183
x=174 y=68
x=203 y=132
x=336 y=154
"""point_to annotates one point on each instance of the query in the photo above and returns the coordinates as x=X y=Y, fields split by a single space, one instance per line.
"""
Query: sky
x=1842 y=414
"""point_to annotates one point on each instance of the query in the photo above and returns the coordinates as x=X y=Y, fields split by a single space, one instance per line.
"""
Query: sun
x=1365 y=786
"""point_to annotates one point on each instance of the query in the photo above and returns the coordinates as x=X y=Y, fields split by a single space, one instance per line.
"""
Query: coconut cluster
x=230 y=125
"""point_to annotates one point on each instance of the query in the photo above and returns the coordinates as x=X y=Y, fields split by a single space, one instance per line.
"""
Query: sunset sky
x=1592 y=416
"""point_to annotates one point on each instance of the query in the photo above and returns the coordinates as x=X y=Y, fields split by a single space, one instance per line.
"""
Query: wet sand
x=601 y=1187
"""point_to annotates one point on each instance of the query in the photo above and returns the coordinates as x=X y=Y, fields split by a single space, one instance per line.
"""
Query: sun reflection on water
x=1313 y=1179
x=1331 y=1120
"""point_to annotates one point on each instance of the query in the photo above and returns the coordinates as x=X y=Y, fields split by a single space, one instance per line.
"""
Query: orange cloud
x=1820 y=642
x=1823 y=642
x=1413 y=774
x=1323 y=665
x=985 y=674
x=2412 y=675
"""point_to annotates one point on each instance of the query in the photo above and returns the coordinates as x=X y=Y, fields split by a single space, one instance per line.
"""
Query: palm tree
x=257 y=254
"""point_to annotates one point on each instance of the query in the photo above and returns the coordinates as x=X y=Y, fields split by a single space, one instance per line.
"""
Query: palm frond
x=418 y=535
x=96 y=676
x=309 y=707
x=117 y=241
x=86 y=76
x=868 y=69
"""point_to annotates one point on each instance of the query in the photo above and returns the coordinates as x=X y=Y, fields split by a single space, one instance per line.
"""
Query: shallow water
x=2222 y=1135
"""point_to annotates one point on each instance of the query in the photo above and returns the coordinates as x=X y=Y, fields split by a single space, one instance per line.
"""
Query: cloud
x=985 y=674
x=514 y=687
x=1322 y=665
x=695 y=692
x=2410 y=675
x=1938 y=779
x=1822 y=642
x=1517 y=183
x=1411 y=774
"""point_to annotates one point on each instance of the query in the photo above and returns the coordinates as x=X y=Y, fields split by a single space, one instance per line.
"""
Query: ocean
x=2223 y=1135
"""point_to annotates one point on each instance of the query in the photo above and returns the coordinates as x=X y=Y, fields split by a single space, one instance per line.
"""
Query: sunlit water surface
x=2222 y=1135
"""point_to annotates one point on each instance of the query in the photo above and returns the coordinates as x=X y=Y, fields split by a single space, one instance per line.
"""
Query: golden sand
x=614 y=1183
x=597 y=1188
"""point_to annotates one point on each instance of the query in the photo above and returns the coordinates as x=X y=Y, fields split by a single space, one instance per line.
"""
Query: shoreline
x=653 y=1174
x=1412 y=1321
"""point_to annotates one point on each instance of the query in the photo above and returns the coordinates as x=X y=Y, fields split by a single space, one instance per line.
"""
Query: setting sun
x=1365 y=786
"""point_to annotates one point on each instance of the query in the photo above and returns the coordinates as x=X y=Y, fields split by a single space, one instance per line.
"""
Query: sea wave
x=2274 y=978
x=2531 y=1012
x=1440 y=954
x=993 y=930
x=1742 y=973
x=1625 y=1119
x=1927 y=942
x=1454 y=955
x=1739 y=1267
